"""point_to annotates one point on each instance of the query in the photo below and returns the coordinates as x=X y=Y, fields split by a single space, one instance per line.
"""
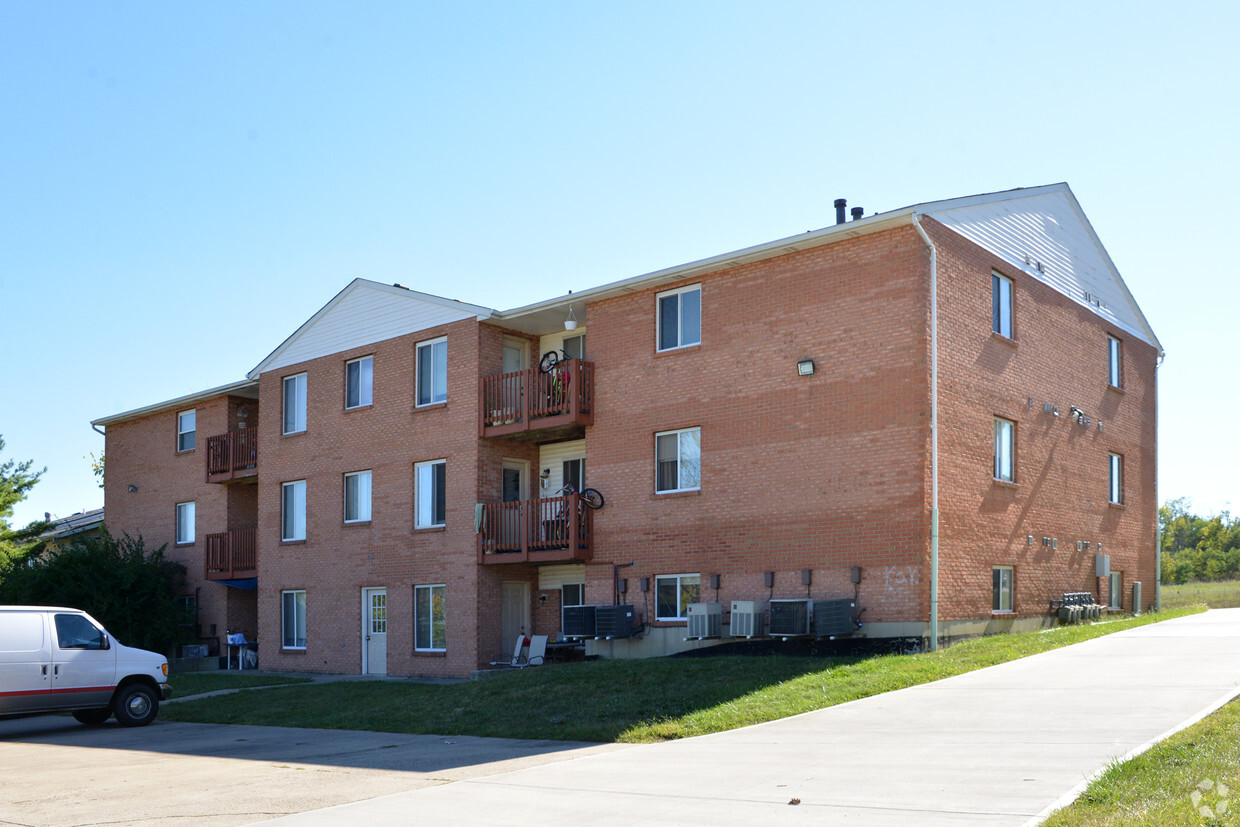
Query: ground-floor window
x=571 y=594
x=673 y=593
x=1116 y=598
x=294 y=619
x=1003 y=580
x=430 y=627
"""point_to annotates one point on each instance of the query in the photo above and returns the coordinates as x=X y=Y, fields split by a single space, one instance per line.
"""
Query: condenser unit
x=834 y=617
x=579 y=621
x=791 y=618
x=746 y=618
x=705 y=620
x=613 y=621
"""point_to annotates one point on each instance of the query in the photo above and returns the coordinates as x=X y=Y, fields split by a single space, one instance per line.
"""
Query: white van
x=63 y=660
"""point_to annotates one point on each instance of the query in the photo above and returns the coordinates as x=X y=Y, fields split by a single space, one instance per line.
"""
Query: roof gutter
x=934 y=433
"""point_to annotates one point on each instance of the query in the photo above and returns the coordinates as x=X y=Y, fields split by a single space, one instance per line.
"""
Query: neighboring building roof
x=246 y=388
x=73 y=524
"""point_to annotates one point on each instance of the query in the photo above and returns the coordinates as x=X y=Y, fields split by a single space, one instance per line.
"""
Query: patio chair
x=516 y=654
x=537 y=654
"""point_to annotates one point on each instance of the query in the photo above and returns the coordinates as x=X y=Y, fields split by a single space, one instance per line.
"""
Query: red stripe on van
x=68 y=691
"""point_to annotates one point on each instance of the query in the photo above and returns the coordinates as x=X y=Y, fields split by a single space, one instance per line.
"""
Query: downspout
x=1158 y=537
x=934 y=435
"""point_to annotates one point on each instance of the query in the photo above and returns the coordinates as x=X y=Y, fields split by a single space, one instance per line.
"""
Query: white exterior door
x=515 y=613
x=374 y=631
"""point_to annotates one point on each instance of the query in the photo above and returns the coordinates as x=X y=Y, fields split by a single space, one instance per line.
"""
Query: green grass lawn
x=632 y=701
x=1217 y=594
x=1157 y=787
x=185 y=684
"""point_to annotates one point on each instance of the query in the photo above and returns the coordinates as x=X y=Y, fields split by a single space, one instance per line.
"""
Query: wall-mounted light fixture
x=805 y=367
x=133 y=488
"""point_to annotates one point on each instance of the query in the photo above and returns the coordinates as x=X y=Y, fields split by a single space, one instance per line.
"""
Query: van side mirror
x=104 y=641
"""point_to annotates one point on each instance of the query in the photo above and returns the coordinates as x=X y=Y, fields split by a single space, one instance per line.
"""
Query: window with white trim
x=187 y=427
x=430 y=487
x=293 y=619
x=1115 y=590
x=1003 y=579
x=357 y=497
x=433 y=372
x=1005 y=445
x=1116 y=475
x=185 y=523
x=359 y=377
x=430 y=618
x=1115 y=365
x=679 y=317
x=571 y=594
x=1001 y=304
x=293 y=511
x=673 y=593
x=295 y=403
x=678 y=460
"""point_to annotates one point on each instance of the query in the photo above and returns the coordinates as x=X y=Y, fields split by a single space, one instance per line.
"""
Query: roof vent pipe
x=857 y=212
x=840 y=205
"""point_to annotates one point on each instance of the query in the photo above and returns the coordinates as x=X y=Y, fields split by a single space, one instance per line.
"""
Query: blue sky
x=182 y=185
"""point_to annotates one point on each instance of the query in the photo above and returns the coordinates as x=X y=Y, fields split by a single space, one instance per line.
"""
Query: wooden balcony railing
x=555 y=529
x=232 y=456
x=530 y=400
x=232 y=555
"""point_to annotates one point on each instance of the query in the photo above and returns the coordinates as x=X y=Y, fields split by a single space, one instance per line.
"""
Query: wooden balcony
x=536 y=406
x=232 y=456
x=232 y=555
x=551 y=530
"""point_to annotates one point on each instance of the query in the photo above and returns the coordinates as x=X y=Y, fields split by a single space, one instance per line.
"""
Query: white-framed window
x=575 y=346
x=1003 y=580
x=430 y=618
x=1116 y=476
x=673 y=593
x=1115 y=365
x=679 y=317
x=1001 y=304
x=187 y=427
x=293 y=510
x=1005 y=446
x=295 y=403
x=571 y=594
x=293 y=619
x=678 y=460
x=430 y=486
x=433 y=372
x=185 y=523
x=1115 y=593
x=359 y=378
x=573 y=473
x=357 y=497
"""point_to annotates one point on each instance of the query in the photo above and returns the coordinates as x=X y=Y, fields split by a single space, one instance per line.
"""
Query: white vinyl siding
x=295 y=403
x=185 y=523
x=678 y=460
x=357 y=497
x=673 y=593
x=1005 y=447
x=433 y=372
x=430 y=618
x=293 y=619
x=293 y=511
x=430 y=484
x=679 y=318
x=552 y=457
x=359 y=382
x=187 y=427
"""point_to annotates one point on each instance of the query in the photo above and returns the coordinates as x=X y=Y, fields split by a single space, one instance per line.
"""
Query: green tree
x=96 y=466
x=16 y=480
x=131 y=591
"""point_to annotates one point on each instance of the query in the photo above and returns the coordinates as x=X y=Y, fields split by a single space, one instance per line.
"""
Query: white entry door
x=374 y=631
x=515 y=614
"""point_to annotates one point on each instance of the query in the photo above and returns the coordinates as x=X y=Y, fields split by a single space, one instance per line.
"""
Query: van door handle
x=45 y=670
x=56 y=671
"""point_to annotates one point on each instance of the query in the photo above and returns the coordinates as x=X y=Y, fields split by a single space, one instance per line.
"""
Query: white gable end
x=1049 y=229
x=363 y=313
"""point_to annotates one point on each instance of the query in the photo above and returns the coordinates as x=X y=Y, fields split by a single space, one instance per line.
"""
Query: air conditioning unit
x=834 y=617
x=791 y=618
x=705 y=620
x=746 y=618
x=614 y=621
x=579 y=621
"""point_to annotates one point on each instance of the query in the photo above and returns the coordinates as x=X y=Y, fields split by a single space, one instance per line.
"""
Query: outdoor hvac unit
x=705 y=620
x=791 y=617
x=613 y=621
x=579 y=621
x=833 y=617
x=746 y=618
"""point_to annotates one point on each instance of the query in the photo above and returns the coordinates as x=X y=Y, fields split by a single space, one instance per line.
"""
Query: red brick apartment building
x=383 y=493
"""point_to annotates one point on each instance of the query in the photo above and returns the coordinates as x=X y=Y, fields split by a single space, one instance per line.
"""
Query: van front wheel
x=92 y=717
x=136 y=705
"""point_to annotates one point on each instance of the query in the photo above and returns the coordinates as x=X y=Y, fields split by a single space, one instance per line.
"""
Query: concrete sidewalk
x=1000 y=746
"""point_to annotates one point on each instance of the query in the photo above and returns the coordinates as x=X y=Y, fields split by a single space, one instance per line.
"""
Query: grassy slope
x=1220 y=594
x=628 y=701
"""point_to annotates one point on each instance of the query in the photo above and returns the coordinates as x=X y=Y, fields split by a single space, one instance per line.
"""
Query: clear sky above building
x=182 y=185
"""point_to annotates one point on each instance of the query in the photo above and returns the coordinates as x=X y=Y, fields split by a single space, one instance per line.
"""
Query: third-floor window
x=433 y=372
x=358 y=382
x=680 y=317
x=295 y=403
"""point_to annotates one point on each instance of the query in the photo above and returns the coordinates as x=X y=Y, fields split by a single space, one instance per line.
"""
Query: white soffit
x=364 y=313
x=1047 y=227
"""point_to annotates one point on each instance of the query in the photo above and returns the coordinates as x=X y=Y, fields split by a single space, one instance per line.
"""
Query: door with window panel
x=375 y=631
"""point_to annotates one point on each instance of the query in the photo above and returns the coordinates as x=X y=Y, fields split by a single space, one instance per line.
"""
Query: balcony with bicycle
x=233 y=456
x=539 y=404
x=547 y=530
